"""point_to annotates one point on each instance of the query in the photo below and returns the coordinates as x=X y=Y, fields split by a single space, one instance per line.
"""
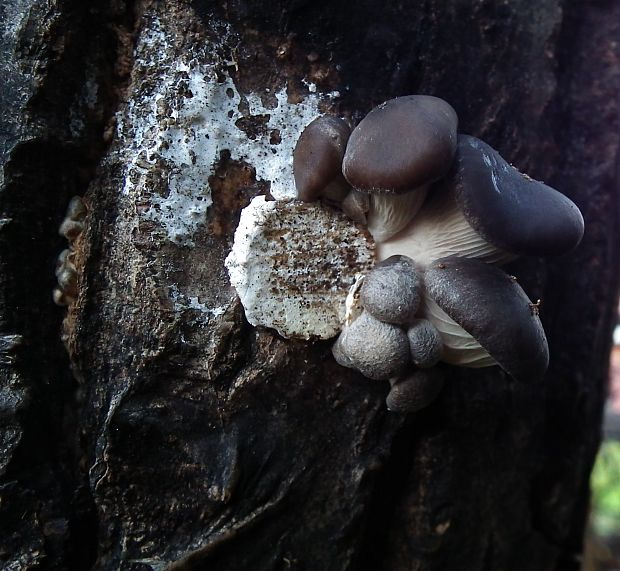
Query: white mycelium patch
x=183 y=111
x=178 y=120
x=292 y=265
x=204 y=312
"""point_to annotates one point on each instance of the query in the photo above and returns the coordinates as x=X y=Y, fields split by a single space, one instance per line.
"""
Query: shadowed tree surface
x=172 y=434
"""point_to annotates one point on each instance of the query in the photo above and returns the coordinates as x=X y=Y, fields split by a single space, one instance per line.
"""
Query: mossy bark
x=174 y=436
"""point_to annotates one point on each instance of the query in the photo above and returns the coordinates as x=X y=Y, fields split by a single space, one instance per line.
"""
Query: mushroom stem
x=356 y=205
x=390 y=213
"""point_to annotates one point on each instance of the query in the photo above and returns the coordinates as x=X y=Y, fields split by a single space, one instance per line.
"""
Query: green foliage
x=605 y=483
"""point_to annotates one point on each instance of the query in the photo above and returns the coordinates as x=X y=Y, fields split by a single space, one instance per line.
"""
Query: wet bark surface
x=172 y=434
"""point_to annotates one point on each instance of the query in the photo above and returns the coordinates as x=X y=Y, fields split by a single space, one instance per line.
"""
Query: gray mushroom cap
x=401 y=145
x=425 y=343
x=377 y=350
x=416 y=391
x=508 y=208
x=490 y=306
x=391 y=290
x=317 y=158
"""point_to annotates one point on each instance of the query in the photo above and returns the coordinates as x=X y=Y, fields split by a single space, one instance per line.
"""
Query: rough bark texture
x=176 y=435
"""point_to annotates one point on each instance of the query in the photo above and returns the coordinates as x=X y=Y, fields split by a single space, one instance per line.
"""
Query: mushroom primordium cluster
x=71 y=227
x=445 y=210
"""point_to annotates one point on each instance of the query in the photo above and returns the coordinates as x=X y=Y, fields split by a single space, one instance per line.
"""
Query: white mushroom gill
x=459 y=347
x=440 y=230
x=388 y=214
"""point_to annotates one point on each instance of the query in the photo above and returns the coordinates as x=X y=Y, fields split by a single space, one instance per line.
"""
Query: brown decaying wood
x=218 y=446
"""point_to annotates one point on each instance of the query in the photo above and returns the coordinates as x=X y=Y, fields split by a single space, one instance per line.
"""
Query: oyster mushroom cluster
x=444 y=210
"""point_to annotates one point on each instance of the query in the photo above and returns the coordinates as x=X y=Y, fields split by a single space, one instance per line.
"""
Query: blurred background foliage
x=602 y=541
x=606 y=490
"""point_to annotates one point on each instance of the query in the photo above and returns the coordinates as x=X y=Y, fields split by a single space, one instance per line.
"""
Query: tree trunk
x=174 y=435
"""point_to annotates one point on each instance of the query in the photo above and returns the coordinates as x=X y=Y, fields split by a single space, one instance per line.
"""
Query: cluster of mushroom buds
x=66 y=273
x=444 y=210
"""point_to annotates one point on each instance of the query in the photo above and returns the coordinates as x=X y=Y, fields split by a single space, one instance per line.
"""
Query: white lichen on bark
x=292 y=265
x=180 y=115
x=182 y=111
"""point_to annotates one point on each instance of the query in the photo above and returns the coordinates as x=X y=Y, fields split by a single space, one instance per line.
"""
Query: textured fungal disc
x=292 y=265
x=391 y=291
x=425 y=343
x=416 y=391
x=490 y=306
x=402 y=144
x=377 y=350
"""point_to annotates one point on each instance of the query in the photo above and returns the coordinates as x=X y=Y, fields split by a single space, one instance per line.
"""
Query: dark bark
x=182 y=437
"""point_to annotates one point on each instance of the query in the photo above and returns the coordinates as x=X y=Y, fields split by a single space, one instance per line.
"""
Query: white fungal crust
x=183 y=111
x=440 y=230
x=459 y=347
x=292 y=264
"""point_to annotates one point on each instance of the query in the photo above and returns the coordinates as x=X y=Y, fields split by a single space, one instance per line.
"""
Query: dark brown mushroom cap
x=404 y=143
x=317 y=158
x=494 y=310
x=509 y=209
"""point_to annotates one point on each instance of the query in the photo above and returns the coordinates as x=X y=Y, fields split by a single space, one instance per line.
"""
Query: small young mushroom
x=484 y=318
x=425 y=343
x=66 y=275
x=394 y=153
x=391 y=292
x=71 y=229
x=317 y=160
x=416 y=391
x=66 y=272
x=376 y=349
x=76 y=210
